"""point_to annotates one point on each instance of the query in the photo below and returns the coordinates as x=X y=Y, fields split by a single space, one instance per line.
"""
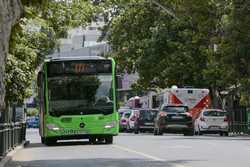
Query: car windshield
x=175 y=109
x=147 y=115
x=214 y=113
x=127 y=114
x=80 y=95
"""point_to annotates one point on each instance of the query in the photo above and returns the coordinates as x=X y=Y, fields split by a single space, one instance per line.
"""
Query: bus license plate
x=73 y=132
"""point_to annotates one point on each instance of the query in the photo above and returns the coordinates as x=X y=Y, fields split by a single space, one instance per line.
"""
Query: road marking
x=180 y=147
x=146 y=155
x=139 y=153
x=178 y=165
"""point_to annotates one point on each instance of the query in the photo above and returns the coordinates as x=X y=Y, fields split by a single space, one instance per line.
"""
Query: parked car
x=32 y=122
x=123 y=109
x=124 y=120
x=212 y=121
x=174 y=119
x=145 y=120
x=132 y=118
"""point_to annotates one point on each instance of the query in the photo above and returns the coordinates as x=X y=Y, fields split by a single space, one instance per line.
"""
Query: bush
x=32 y=112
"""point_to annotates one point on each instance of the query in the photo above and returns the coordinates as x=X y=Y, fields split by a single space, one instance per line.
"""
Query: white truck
x=196 y=99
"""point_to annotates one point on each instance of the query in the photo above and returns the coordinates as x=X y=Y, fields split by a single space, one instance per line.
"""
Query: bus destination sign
x=79 y=67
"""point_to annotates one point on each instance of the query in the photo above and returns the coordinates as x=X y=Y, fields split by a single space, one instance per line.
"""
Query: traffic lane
x=134 y=150
x=201 y=150
x=82 y=154
x=97 y=162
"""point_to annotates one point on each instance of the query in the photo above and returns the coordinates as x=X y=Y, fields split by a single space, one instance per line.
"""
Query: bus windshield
x=80 y=94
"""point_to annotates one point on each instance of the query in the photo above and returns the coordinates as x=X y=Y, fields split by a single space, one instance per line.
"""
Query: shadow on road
x=208 y=138
x=63 y=143
x=98 y=162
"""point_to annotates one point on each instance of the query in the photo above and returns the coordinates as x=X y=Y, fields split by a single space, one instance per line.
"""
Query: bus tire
x=42 y=140
x=92 y=140
x=49 y=142
x=109 y=140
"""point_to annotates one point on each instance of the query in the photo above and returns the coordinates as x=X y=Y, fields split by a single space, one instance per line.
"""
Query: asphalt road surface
x=143 y=150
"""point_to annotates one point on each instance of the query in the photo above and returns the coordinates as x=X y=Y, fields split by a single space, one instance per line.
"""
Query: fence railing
x=236 y=127
x=238 y=121
x=11 y=135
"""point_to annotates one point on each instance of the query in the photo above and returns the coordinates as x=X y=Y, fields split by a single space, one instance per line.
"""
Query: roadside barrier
x=238 y=121
x=11 y=135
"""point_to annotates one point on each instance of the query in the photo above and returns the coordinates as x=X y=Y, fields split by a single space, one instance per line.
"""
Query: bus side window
x=40 y=84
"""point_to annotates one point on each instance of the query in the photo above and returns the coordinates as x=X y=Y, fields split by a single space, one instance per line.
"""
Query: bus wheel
x=42 y=140
x=109 y=140
x=49 y=142
x=92 y=140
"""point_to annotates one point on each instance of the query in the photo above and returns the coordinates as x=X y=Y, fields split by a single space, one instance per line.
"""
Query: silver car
x=212 y=121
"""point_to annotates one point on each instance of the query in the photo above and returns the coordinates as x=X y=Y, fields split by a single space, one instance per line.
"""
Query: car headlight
x=110 y=125
x=52 y=127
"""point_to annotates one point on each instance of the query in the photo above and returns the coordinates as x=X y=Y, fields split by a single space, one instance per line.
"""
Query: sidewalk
x=9 y=156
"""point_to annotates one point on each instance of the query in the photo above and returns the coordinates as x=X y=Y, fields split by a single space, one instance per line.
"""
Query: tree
x=36 y=36
x=10 y=12
x=27 y=48
x=237 y=43
x=168 y=50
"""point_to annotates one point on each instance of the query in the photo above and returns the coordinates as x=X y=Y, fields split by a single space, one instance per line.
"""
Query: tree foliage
x=165 y=50
x=204 y=45
x=35 y=36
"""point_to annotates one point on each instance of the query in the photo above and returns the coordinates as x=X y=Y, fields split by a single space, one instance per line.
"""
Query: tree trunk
x=10 y=13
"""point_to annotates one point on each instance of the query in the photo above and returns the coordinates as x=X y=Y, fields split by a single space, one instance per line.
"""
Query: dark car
x=32 y=122
x=174 y=119
x=145 y=121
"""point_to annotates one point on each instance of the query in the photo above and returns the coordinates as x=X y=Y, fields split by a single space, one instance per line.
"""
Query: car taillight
x=188 y=114
x=163 y=114
x=226 y=119
x=202 y=119
x=123 y=120
x=132 y=118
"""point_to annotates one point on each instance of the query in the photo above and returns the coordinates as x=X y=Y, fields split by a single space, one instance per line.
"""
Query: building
x=83 y=41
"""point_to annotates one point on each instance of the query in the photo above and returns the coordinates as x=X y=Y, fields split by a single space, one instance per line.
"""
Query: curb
x=9 y=156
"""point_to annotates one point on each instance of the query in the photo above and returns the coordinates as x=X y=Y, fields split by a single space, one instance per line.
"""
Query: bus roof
x=75 y=58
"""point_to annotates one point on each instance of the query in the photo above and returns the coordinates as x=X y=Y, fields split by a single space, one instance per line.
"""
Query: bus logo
x=82 y=125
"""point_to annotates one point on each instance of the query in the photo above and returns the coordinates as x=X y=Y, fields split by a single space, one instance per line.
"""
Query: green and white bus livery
x=77 y=97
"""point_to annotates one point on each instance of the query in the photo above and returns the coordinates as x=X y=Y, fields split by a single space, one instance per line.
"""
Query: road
x=143 y=150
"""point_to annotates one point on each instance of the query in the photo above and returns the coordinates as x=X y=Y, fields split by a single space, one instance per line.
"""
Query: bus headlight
x=52 y=127
x=110 y=125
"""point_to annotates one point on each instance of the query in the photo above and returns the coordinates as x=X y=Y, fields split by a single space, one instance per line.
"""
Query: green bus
x=77 y=99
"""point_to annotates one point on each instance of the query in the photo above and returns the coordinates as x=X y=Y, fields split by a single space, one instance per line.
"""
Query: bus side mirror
x=39 y=78
x=118 y=81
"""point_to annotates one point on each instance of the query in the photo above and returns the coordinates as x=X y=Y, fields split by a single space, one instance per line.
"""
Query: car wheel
x=128 y=129
x=109 y=140
x=199 y=132
x=223 y=133
x=136 y=131
x=160 y=132
x=195 y=132
x=189 y=133
x=155 y=132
